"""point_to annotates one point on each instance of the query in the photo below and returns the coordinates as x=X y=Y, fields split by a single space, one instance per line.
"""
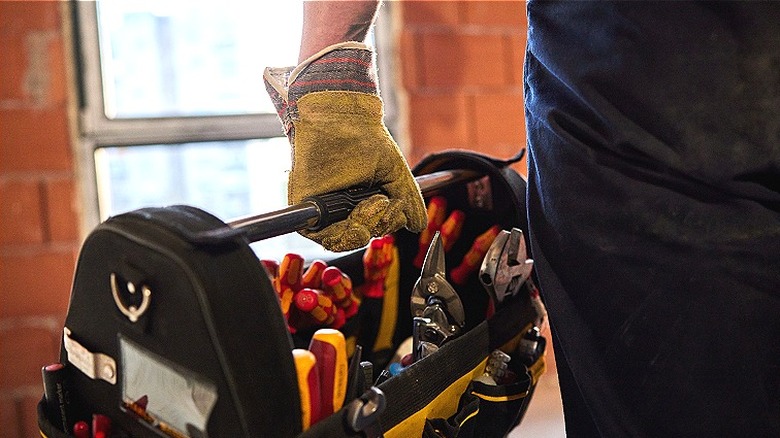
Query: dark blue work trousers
x=654 y=212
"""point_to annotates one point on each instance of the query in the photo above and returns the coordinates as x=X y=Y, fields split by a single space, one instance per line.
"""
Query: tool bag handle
x=317 y=212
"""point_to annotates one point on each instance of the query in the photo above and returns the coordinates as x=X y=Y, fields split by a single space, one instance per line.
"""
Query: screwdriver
x=319 y=307
x=451 y=228
x=330 y=349
x=312 y=278
x=376 y=262
x=474 y=256
x=290 y=272
x=307 y=373
x=436 y=212
x=339 y=285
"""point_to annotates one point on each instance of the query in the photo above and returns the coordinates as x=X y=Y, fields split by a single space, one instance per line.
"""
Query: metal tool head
x=506 y=266
x=426 y=336
x=433 y=283
x=363 y=413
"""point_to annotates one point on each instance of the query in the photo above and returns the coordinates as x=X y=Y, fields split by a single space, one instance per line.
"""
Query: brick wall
x=461 y=64
x=39 y=234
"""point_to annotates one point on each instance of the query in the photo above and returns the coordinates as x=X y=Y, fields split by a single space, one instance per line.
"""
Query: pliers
x=506 y=266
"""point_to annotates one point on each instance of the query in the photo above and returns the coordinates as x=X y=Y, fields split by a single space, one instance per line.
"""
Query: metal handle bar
x=317 y=212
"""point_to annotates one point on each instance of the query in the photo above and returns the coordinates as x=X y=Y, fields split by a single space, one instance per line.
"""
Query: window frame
x=97 y=130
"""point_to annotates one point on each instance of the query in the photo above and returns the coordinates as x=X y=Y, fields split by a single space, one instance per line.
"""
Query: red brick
x=431 y=12
x=25 y=350
x=20 y=16
x=462 y=60
x=515 y=44
x=61 y=210
x=12 y=66
x=409 y=52
x=500 y=119
x=58 y=86
x=29 y=415
x=495 y=13
x=34 y=69
x=35 y=139
x=437 y=121
x=9 y=422
x=36 y=282
x=20 y=217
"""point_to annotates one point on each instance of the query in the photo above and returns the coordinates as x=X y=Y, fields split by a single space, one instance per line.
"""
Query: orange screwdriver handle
x=312 y=278
x=375 y=259
x=437 y=210
x=317 y=305
x=451 y=228
x=473 y=258
x=291 y=272
x=339 y=286
x=286 y=300
x=376 y=264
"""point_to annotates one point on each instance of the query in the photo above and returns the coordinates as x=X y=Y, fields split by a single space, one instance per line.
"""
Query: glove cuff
x=345 y=66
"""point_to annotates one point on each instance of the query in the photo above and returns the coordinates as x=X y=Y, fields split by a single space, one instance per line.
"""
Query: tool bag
x=174 y=329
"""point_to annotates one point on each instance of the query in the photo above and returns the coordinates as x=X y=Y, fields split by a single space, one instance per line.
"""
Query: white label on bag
x=94 y=365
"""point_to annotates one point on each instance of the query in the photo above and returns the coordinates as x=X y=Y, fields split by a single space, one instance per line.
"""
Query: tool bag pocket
x=47 y=429
x=488 y=409
x=430 y=393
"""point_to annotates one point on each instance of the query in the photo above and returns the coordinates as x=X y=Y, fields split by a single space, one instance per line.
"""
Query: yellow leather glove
x=333 y=116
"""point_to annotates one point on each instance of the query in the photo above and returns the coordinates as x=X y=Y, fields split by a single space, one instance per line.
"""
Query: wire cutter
x=436 y=307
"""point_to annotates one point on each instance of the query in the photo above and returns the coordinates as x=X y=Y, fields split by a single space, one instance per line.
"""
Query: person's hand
x=332 y=114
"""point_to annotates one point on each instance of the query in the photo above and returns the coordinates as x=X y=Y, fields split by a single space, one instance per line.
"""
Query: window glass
x=165 y=58
x=230 y=179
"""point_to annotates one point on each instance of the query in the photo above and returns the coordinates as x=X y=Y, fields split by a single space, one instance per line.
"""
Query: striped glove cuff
x=342 y=67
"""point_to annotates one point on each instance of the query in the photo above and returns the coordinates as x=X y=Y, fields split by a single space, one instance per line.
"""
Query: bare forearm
x=334 y=21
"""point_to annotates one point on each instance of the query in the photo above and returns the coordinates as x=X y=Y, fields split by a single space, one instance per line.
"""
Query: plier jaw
x=506 y=266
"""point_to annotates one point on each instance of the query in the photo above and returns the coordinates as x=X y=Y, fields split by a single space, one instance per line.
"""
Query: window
x=174 y=109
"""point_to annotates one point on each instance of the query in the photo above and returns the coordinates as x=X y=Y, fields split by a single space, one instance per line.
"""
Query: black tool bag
x=174 y=328
x=155 y=313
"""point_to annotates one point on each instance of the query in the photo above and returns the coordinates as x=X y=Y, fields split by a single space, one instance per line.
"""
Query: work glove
x=333 y=116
